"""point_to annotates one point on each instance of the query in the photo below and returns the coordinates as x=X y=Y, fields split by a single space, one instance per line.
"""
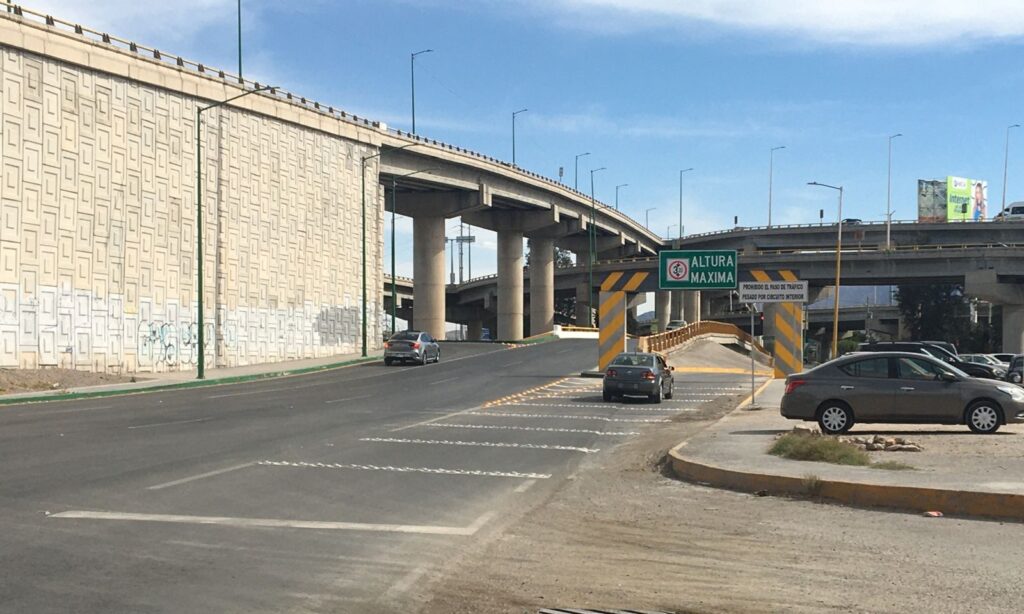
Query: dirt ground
x=29 y=380
x=619 y=534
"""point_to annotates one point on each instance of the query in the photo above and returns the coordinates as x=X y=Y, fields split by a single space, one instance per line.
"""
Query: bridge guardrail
x=663 y=342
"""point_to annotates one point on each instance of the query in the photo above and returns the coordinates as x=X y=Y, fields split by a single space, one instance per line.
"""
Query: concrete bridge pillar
x=428 y=274
x=693 y=307
x=676 y=306
x=583 y=317
x=662 y=304
x=1013 y=328
x=510 y=285
x=783 y=322
x=986 y=286
x=704 y=309
x=542 y=285
x=474 y=330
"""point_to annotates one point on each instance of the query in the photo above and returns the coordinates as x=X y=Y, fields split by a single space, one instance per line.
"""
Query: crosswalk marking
x=484 y=444
x=434 y=470
x=530 y=428
x=562 y=417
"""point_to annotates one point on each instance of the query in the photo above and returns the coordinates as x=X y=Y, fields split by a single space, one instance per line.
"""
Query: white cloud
x=846 y=22
x=144 y=22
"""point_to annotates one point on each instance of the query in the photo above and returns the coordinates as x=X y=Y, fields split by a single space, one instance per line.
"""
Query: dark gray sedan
x=638 y=374
x=411 y=345
x=898 y=387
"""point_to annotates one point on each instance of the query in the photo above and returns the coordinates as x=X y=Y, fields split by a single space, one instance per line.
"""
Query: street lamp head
x=514 y=113
x=896 y=135
x=686 y=170
x=594 y=170
x=422 y=52
x=778 y=148
x=622 y=185
x=1013 y=126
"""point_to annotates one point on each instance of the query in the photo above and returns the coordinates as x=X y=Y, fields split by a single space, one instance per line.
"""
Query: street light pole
x=888 y=197
x=668 y=231
x=647 y=217
x=412 y=73
x=363 y=224
x=621 y=185
x=514 y=113
x=685 y=170
x=1006 y=163
x=593 y=245
x=240 y=41
x=394 y=206
x=576 y=171
x=201 y=364
x=839 y=252
x=771 y=175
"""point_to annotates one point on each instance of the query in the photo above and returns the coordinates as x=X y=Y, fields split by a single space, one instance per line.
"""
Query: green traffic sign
x=697 y=269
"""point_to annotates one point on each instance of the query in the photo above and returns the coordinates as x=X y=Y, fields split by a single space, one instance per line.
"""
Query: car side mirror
x=947 y=377
x=671 y=368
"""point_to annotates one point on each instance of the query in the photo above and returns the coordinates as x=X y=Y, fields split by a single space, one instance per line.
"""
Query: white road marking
x=494 y=414
x=564 y=351
x=405 y=583
x=484 y=444
x=433 y=470
x=149 y=426
x=514 y=362
x=447 y=379
x=193 y=478
x=281 y=524
x=432 y=420
x=248 y=392
x=529 y=428
x=525 y=486
x=365 y=396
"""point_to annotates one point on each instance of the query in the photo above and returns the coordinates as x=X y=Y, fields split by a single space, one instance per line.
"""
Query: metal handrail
x=663 y=342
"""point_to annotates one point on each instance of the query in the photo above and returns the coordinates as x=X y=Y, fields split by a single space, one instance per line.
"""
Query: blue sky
x=650 y=88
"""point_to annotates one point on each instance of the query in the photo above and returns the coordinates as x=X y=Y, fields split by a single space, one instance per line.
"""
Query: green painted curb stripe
x=191 y=384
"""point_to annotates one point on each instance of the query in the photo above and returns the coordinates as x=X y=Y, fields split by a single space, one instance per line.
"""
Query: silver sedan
x=898 y=387
x=411 y=345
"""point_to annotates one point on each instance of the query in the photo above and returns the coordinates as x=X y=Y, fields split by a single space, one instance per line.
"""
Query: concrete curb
x=236 y=379
x=858 y=494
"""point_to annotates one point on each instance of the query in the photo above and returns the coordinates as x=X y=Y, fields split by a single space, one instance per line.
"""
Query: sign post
x=771 y=291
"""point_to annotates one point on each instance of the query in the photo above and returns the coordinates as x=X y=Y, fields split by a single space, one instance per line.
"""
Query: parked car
x=946 y=345
x=853 y=221
x=411 y=345
x=1003 y=357
x=986 y=359
x=898 y=387
x=638 y=374
x=674 y=324
x=1015 y=373
x=935 y=351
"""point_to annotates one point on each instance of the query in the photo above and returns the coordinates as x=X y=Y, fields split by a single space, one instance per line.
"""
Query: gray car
x=638 y=374
x=898 y=387
x=411 y=345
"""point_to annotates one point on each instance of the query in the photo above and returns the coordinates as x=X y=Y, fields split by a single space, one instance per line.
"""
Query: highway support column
x=691 y=306
x=676 y=310
x=428 y=275
x=662 y=307
x=510 y=285
x=985 y=285
x=542 y=285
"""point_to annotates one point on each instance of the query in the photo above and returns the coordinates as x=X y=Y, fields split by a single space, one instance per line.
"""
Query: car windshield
x=405 y=336
x=634 y=360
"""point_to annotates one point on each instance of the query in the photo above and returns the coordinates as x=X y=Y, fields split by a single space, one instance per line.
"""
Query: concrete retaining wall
x=98 y=216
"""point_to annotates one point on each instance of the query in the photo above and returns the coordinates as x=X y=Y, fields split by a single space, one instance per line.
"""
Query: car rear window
x=872 y=367
x=634 y=360
x=405 y=336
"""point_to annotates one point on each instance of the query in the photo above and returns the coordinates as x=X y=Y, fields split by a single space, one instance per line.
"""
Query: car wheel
x=668 y=395
x=1015 y=378
x=423 y=359
x=437 y=357
x=608 y=397
x=835 y=417
x=387 y=362
x=656 y=397
x=984 y=417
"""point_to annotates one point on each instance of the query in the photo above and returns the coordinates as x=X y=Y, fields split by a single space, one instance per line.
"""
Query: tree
x=563 y=258
x=942 y=312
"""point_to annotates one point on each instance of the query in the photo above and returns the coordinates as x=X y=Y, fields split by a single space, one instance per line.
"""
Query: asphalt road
x=335 y=491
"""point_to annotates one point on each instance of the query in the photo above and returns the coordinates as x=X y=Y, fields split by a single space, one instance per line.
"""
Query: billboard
x=955 y=199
